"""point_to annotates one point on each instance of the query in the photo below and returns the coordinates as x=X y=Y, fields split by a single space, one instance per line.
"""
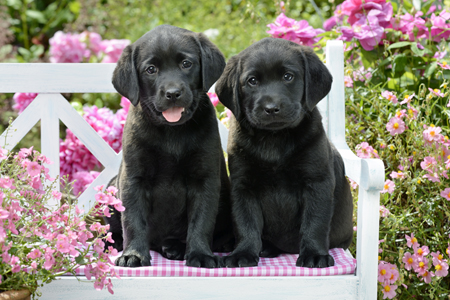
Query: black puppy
x=172 y=179
x=288 y=188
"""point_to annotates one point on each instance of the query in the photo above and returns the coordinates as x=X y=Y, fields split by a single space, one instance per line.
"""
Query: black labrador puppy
x=288 y=188
x=173 y=179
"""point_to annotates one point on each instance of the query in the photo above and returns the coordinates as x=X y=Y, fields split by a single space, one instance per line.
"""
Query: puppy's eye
x=252 y=81
x=288 y=76
x=186 y=64
x=152 y=69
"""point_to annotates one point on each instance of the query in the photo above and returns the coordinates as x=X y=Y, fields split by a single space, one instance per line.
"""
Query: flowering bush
x=396 y=74
x=84 y=47
x=42 y=235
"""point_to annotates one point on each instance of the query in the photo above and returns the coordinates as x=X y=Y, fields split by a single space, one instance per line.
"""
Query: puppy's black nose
x=173 y=94
x=271 y=109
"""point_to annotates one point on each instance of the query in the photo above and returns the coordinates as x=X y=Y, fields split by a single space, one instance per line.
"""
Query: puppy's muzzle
x=174 y=94
x=271 y=109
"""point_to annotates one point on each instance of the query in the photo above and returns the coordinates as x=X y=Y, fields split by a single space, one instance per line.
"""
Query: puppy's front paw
x=201 y=260
x=240 y=260
x=315 y=261
x=173 y=249
x=133 y=259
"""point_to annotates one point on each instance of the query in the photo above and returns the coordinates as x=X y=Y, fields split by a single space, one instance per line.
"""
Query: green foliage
x=33 y=22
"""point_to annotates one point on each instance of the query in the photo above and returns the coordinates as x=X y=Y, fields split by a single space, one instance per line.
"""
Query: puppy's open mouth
x=173 y=114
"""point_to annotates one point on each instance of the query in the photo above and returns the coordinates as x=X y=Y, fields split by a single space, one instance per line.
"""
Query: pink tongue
x=173 y=114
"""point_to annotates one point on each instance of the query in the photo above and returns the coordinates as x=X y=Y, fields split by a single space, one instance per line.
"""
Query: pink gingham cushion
x=283 y=265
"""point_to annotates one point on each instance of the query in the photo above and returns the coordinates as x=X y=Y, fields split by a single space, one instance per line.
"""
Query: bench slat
x=56 y=78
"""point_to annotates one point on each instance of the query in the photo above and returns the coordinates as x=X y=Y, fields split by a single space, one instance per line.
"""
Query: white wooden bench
x=50 y=80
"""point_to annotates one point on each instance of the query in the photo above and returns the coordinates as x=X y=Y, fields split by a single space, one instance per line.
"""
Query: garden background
x=397 y=73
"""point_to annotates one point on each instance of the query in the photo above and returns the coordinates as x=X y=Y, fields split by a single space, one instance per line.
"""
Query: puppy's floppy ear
x=227 y=87
x=317 y=78
x=125 y=78
x=213 y=61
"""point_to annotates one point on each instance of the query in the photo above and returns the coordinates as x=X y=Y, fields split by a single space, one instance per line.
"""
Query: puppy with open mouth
x=288 y=187
x=173 y=180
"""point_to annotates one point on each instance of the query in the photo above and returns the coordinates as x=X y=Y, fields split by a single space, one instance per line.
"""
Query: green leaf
x=368 y=57
x=81 y=260
x=99 y=103
x=430 y=69
x=24 y=52
x=408 y=5
x=75 y=7
x=15 y=4
x=77 y=105
x=399 y=63
x=426 y=7
x=36 y=15
x=399 y=45
x=416 y=50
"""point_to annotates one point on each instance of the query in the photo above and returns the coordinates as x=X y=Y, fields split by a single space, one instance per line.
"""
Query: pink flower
x=67 y=48
x=408 y=24
x=408 y=98
x=389 y=291
x=6 y=182
x=3 y=154
x=328 y=24
x=433 y=177
x=348 y=81
x=421 y=265
x=112 y=190
x=299 y=32
x=388 y=187
x=384 y=272
x=441 y=268
x=390 y=96
x=62 y=244
x=394 y=274
x=22 y=100
x=411 y=241
x=408 y=260
x=82 y=180
x=395 y=126
x=214 y=99
x=412 y=112
x=421 y=251
x=35 y=253
x=384 y=211
x=49 y=261
x=353 y=184
x=113 y=49
x=444 y=65
x=437 y=257
x=398 y=174
x=4 y=214
x=57 y=195
x=439 y=28
x=92 y=40
x=364 y=150
x=368 y=31
x=428 y=163
x=436 y=92
x=446 y=194
x=426 y=276
x=432 y=133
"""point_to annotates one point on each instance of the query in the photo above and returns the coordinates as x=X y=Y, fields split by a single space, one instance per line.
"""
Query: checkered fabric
x=283 y=265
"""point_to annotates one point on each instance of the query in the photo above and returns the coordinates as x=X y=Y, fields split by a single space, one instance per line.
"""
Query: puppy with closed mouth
x=173 y=180
x=288 y=187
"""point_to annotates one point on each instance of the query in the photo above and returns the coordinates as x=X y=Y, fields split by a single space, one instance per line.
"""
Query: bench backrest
x=50 y=80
